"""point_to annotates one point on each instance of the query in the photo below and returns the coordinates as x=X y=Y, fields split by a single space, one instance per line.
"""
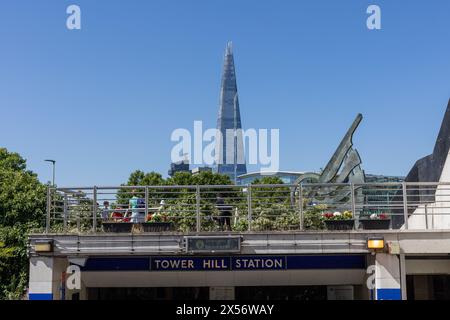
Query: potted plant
x=376 y=221
x=117 y=226
x=338 y=220
x=158 y=222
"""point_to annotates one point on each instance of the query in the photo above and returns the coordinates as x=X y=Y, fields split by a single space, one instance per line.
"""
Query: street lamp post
x=235 y=137
x=53 y=163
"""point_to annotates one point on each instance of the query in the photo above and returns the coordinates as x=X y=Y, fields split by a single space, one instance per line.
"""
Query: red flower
x=328 y=215
x=383 y=216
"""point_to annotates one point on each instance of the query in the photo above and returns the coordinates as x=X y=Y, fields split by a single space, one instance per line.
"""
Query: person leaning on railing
x=224 y=213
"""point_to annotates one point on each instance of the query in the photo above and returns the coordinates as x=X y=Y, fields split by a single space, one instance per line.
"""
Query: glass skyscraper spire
x=230 y=158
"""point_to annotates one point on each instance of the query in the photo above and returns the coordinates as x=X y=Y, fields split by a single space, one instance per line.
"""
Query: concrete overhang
x=313 y=242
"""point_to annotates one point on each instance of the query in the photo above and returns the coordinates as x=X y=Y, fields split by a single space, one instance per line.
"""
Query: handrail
x=254 y=207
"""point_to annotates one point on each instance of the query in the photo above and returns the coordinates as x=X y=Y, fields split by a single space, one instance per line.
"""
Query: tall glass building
x=230 y=158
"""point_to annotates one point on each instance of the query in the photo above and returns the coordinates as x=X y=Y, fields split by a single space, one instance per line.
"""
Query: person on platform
x=133 y=204
x=105 y=211
x=224 y=213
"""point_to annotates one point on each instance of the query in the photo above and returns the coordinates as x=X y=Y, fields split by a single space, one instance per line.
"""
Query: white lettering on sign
x=214 y=264
x=174 y=264
x=247 y=263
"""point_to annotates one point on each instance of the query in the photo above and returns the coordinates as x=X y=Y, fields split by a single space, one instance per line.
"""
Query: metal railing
x=202 y=208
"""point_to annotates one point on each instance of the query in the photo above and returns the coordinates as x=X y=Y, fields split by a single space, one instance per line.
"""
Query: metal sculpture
x=343 y=167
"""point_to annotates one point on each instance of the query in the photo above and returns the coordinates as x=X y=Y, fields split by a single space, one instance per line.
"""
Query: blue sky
x=104 y=100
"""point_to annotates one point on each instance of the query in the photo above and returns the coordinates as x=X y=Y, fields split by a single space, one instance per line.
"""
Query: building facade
x=287 y=266
x=290 y=177
x=181 y=166
x=230 y=158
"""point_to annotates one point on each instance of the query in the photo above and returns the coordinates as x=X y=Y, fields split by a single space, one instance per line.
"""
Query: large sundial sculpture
x=343 y=167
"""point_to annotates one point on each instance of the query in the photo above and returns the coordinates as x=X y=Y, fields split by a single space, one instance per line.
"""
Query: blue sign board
x=226 y=263
x=258 y=262
x=190 y=263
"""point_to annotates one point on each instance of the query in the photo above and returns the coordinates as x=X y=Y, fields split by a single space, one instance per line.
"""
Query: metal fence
x=202 y=208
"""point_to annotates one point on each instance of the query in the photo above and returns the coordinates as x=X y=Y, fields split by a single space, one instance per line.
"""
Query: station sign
x=213 y=244
x=225 y=263
x=218 y=263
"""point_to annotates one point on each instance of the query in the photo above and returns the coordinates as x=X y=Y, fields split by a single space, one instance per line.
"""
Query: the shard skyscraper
x=230 y=158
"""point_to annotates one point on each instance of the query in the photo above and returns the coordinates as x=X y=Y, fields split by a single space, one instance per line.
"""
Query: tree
x=22 y=208
x=140 y=178
x=11 y=161
x=272 y=208
x=268 y=195
x=180 y=201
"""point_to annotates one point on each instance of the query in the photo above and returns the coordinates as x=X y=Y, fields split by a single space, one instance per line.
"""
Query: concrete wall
x=45 y=277
x=45 y=281
x=222 y=278
x=387 y=277
x=45 y=270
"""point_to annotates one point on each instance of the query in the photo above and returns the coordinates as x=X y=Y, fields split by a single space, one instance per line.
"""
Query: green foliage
x=13 y=260
x=22 y=197
x=11 y=161
x=22 y=209
x=312 y=217
x=139 y=178
x=241 y=224
x=180 y=203
x=271 y=206
x=201 y=178
x=287 y=221
x=268 y=180
x=265 y=196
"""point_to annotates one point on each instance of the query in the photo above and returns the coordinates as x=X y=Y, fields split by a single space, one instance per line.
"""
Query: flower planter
x=375 y=224
x=124 y=227
x=127 y=227
x=340 y=224
x=158 y=226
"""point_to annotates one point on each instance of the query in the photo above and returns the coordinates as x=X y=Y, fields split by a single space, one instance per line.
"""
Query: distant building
x=230 y=154
x=181 y=166
x=290 y=177
x=201 y=169
x=378 y=178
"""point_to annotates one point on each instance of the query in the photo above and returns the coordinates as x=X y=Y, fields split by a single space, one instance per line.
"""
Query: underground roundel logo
x=199 y=245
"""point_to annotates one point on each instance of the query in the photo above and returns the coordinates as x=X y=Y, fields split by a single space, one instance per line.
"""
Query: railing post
x=146 y=204
x=426 y=216
x=78 y=216
x=405 y=205
x=197 y=208
x=94 y=210
x=353 y=203
x=66 y=213
x=249 y=207
x=47 y=220
x=300 y=204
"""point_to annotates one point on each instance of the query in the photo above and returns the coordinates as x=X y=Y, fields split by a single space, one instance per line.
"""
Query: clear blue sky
x=104 y=100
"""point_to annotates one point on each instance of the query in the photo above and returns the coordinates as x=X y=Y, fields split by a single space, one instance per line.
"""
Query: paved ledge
x=286 y=242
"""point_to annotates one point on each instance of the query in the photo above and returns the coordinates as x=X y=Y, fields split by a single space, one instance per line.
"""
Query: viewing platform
x=234 y=239
x=249 y=208
x=266 y=219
